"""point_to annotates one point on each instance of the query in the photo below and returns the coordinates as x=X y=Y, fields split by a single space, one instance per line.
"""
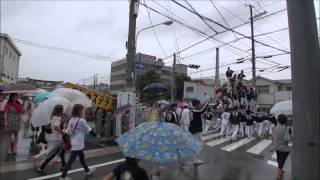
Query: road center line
x=78 y=170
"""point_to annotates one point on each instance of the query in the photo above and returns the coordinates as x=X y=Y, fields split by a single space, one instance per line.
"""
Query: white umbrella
x=70 y=94
x=282 y=107
x=42 y=114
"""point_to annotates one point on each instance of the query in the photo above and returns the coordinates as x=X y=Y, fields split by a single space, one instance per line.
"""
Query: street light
x=167 y=23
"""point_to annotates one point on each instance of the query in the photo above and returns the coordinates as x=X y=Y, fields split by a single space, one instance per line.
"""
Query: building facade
x=144 y=63
x=272 y=91
x=9 y=60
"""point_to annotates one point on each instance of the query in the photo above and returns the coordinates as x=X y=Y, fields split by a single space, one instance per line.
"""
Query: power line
x=188 y=26
x=237 y=16
x=210 y=20
x=209 y=49
x=154 y=31
x=241 y=60
x=209 y=37
x=64 y=50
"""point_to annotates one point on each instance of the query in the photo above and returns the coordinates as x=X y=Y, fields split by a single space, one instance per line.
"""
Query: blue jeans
x=72 y=158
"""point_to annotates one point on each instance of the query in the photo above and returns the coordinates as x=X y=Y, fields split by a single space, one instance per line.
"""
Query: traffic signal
x=193 y=66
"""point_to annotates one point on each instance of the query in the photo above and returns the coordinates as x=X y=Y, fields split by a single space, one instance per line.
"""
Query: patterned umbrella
x=159 y=142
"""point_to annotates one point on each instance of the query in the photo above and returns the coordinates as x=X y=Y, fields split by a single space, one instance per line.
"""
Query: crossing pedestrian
x=207 y=119
x=225 y=125
x=185 y=117
x=12 y=110
x=54 y=137
x=77 y=128
x=234 y=121
x=281 y=137
x=196 y=122
x=242 y=119
x=171 y=115
x=249 y=124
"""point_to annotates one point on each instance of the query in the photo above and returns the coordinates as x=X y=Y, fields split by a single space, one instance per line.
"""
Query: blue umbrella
x=159 y=142
x=154 y=88
x=41 y=97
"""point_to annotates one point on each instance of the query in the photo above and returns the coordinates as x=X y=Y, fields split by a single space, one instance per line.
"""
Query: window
x=263 y=89
x=289 y=88
x=189 y=89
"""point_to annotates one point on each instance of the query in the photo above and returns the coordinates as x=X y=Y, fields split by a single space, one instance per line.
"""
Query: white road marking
x=272 y=163
x=78 y=170
x=237 y=144
x=218 y=141
x=274 y=155
x=258 y=148
x=210 y=136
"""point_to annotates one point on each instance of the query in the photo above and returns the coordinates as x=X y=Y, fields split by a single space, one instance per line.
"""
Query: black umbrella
x=154 y=88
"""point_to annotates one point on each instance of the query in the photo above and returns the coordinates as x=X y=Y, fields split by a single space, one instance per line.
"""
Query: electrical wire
x=154 y=31
x=64 y=50
x=241 y=34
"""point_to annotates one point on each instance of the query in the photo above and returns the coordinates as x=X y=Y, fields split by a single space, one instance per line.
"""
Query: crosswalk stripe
x=274 y=155
x=258 y=148
x=218 y=141
x=272 y=163
x=237 y=144
x=210 y=136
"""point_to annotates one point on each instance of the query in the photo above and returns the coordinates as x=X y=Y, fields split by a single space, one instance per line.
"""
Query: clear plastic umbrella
x=282 y=107
x=70 y=94
x=42 y=114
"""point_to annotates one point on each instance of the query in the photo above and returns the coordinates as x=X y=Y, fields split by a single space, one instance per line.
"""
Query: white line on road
x=218 y=141
x=258 y=148
x=272 y=163
x=210 y=136
x=78 y=170
x=238 y=144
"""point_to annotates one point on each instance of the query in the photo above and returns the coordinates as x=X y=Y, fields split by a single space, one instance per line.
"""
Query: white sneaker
x=65 y=178
x=197 y=162
x=91 y=171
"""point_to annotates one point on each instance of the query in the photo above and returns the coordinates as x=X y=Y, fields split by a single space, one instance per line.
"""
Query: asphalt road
x=245 y=159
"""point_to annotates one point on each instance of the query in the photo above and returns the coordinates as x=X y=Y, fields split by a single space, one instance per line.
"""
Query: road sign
x=99 y=99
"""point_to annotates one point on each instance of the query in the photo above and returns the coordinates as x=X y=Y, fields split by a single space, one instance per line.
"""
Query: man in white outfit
x=225 y=126
x=185 y=117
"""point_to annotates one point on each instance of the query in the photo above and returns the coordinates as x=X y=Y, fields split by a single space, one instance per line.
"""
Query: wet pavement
x=243 y=160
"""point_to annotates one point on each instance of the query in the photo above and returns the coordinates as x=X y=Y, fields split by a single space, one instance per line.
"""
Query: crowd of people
x=234 y=114
x=63 y=134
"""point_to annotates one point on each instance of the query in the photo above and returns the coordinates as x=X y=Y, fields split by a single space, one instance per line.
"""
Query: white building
x=192 y=90
x=272 y=91
x=9 y=60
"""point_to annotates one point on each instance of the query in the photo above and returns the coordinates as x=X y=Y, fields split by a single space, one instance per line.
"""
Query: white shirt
x=55 y=135
x=185 y=117
x=225 y=118
x=77 y=138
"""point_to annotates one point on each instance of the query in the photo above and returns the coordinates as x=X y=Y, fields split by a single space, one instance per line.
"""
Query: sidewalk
x=23 y=158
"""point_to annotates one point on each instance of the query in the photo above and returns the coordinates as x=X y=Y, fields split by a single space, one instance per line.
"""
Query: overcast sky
x=101 y=28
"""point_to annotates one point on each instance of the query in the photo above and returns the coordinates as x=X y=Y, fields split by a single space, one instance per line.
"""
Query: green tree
x=180 y=78
x=145 y=79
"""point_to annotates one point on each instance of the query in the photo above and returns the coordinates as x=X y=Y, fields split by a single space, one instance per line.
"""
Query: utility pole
x=305 y=55
x=253 y=51
x=173 y=79
x=131 y=43
x=217 y=82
